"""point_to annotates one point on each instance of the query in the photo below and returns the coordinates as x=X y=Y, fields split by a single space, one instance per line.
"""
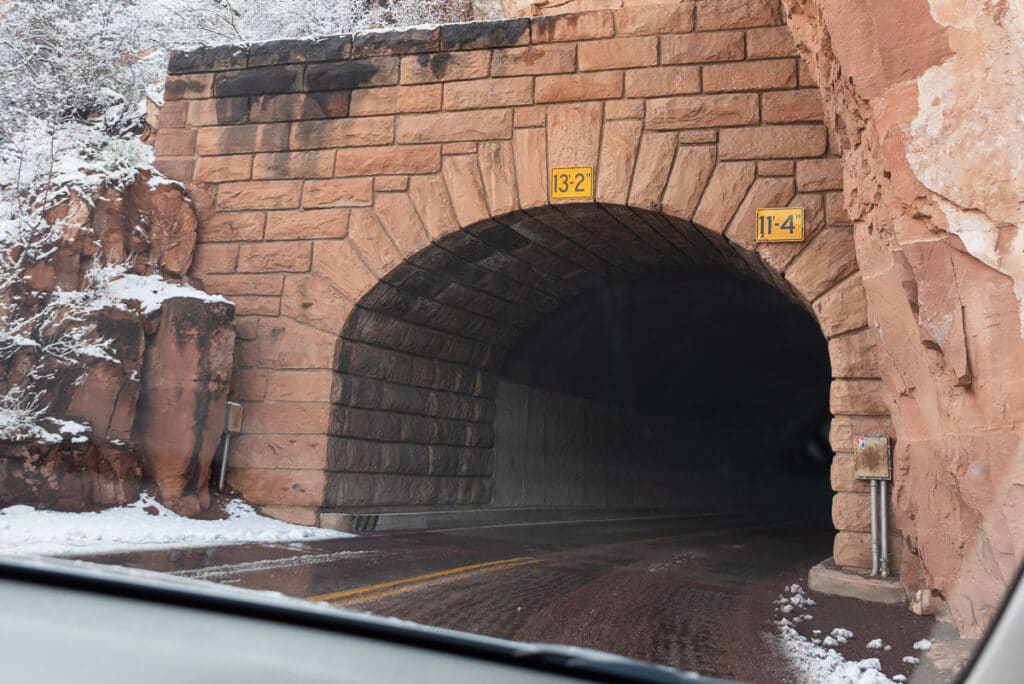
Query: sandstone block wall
x=376 y=205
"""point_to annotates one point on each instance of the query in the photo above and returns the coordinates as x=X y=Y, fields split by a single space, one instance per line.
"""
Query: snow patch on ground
x=820 y=663
x=26 y=531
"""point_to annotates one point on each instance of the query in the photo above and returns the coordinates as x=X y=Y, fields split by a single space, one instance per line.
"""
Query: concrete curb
x=827 y=578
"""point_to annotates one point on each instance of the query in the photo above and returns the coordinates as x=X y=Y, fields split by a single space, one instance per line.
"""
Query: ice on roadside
x=911 y=660
x=875 y=643
x=922 y=645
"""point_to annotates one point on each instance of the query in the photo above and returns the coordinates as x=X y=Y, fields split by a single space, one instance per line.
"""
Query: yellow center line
x=373 y=591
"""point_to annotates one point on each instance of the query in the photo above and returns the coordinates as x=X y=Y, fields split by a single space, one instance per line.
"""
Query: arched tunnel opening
x=581 y=357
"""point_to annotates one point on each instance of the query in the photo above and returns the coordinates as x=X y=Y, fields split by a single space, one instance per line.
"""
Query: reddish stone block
x=571 y=27
x=445 y=66
x=231 y=226
x=290 y=257
x=488 y=124
x=259 y=195
x=772 y=142
x=649 y=19
x=358 y=132
x=214 y=258
x=307 y=224
x=792 y=106
x=770 y=41
x=601 y=85
x=338 y=192
x=760 y=75
x=391 y=183
x=702 y=111
x=246 y=305
x=615 y=110
x=396 y=100
x=493 y=92
x=173 y=114
x=662 y=81
x=311 y=164
x=726 y=14
x=618 y=53
x=175 y=142
x=300 y=106
x=532 y=60
x=218 y=140
x=244 y=284
x=775 y=167
x=400 y=159
x=702 y=47
x=226 y=168
x=819 y=174
x=221 y=111
x=188 y=87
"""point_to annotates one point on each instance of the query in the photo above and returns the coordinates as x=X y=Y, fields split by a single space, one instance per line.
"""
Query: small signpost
x=575 y=182
x=784 y=224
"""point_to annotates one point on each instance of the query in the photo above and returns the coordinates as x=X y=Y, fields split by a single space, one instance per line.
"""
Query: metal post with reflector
x=232 y=426
x=872 y=461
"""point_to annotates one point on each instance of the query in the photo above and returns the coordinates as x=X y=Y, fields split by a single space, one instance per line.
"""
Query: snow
x=922 y=645
x=875 y=643
x=149 y=292
x=911 y=660
x=26 y=531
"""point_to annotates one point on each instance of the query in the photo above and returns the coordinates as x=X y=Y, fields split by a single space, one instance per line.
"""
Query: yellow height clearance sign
x=574 y=182
x=784 y=224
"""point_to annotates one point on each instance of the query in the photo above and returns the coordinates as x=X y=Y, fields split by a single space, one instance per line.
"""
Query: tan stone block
x=852 y=550
x=530 y=152
x=690 y=174
x=299 y=106
x=399 y=218
x=236 y=225
x=214 y=258
x=311 y=164
x=726 y=189
x=615 y=110
x=654 y=19
x=759 y=75
x=391 y=183
x=244 y=284
x=188 y=87
x=312 y=300
x=459 y=148
x=574 y=135
x=445 y=66
x=337 y=262
x=726 y=14
x=619 y=149
x=216 y=140
x=828 y=259
x=372 y=242
x=654 y=161
x=465 y=188
x=855 y=354
x=851 y=511
x=662 y=81
x=702 y=47
x=282 y=343
x=792 y=106
x=399 y=159
x=571 y=27
x=280 y=451
x=259 y=195
x=262 y=257
x=491 y=92
x=835 y=209
x=770 y=41
x=175 y=142
x=338 y=192
x=842 y=308
x=702 y=111
x=496 y=170
x=618 y=53
x=485 y=124
x=765 y=192
x=307 y=224
x=343 y=133
x=395 y=100
x=174 y=114
x=221 y=169
x=841 y=475
x=246 y=327
x=574 y=87
x=299 y=385
x=533 y=60
x=175 y=168
x=772 y=142
x=530 y=117
x=279 y=487
x=858 y=397
x=246 y=305
x=775 y=167
x=296 y=515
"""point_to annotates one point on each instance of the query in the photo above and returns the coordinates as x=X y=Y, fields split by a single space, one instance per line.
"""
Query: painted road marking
x=375 y=591
x=214 y=572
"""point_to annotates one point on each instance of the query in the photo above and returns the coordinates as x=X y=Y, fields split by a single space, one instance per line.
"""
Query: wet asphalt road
x=693 y=593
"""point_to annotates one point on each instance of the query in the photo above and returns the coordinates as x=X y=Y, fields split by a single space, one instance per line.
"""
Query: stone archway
x=318 y=168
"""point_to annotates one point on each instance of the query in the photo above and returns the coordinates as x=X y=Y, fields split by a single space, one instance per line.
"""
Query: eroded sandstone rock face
x=177 y=351
x=926 y=99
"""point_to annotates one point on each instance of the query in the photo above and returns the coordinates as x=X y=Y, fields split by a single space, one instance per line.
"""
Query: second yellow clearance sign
x=784 y=224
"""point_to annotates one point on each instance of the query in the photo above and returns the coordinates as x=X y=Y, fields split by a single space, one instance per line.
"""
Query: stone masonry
x=377 y=207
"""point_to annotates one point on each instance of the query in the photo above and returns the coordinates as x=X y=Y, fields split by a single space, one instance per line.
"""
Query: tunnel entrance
x=580 y=356
x=698 y=391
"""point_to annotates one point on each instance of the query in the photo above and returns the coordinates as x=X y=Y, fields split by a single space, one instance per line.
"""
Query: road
x=690 y=592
